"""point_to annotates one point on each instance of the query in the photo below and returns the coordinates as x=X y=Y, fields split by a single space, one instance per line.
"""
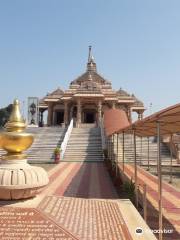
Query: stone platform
x=80 y=202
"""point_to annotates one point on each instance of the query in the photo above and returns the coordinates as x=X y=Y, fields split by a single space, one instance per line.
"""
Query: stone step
x=84 y=145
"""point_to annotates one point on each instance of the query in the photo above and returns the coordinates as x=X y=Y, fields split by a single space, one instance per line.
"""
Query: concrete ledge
x=134 y=220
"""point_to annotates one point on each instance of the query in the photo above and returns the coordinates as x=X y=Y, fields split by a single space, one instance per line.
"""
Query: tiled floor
x=82 y=199
x=86 y=180
x=80 y=202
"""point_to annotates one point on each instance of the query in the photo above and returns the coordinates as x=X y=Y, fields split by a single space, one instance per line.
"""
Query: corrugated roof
x=169 y=119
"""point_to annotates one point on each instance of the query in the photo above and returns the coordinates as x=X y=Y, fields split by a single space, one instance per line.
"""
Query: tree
x=5 y=114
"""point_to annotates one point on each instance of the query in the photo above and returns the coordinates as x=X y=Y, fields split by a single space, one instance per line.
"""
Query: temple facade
x=87 y=98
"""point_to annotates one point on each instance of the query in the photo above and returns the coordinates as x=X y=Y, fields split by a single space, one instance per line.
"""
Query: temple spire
x=89 y=56
x=91 y=65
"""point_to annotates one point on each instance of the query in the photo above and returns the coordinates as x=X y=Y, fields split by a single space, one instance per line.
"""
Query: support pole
x=148 y=153
x=113 y=152
x=135 y=169
x=123 y=151
x=109 y=150
x=141 y=153
x=117 y=152
x=144 y=203
x=159 y=180
x=170 y=180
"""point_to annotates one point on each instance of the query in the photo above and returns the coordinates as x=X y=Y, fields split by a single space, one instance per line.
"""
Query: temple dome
x=121 y=92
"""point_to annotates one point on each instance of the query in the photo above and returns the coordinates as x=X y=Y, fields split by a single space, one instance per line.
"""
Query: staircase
x=84 y=145
x=141 y=150
x=46 y=140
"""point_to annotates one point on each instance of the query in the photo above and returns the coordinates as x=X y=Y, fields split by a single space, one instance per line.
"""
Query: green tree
x=5 y=114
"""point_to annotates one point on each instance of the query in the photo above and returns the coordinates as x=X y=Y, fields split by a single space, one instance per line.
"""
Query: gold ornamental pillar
x=18 y=180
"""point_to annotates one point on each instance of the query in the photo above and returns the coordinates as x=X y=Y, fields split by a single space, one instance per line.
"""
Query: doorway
x=59 y=118
x=89 y=117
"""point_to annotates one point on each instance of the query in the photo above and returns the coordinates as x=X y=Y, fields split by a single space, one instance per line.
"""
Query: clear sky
x=136 y=45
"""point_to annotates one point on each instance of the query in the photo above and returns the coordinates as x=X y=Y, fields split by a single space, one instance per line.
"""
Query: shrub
x=57 y=150
x=129 y=189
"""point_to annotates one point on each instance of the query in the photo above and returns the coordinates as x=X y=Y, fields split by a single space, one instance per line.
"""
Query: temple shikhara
x=88 y=96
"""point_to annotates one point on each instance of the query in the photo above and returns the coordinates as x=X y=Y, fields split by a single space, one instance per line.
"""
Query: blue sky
x=136 y=45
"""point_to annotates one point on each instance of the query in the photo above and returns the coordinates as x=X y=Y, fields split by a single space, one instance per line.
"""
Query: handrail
x=66 y=139
x=103 y=136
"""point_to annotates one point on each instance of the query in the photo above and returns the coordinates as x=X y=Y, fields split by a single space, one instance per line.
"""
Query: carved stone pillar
x=99 y=111
x=140 y=115
x=53 y=118
x=113 y=105
x=50 y=113
x=129 y=114
x=78 y=112
x=66 y=113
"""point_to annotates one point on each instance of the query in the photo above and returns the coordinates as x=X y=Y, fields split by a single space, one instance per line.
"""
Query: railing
x=174 y=145
x=103 y=137
x=66 y=139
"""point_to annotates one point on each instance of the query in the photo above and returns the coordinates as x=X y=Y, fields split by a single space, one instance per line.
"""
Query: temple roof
x=90 y=76
x=123 y=93
x=137 y=102
x=57 y=92
x=55 y=95
x=92 y=84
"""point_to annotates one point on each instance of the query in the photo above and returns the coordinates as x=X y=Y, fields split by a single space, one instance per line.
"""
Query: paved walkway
x=80 y=202
x=171 y=201
x=85 y=180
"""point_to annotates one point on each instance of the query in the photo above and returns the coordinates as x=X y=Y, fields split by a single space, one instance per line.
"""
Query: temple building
x=87 y=98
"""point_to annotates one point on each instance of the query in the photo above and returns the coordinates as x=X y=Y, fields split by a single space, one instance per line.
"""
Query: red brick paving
x=72 y=204
x=80 y=202
x=87 y=219
x=86 y=180
x=171 y=201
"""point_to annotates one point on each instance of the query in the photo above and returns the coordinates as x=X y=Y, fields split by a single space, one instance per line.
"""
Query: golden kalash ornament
x=18 y=179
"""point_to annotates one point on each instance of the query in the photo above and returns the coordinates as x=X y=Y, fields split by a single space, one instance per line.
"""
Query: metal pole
x=170 y=180
x=144 y=203
x=135 y=169
x=108 y=148
x=148 y=154
x=123 y=151
x=111 y=149
x=117 y=152
x=113 y=155
x=159 y=180
x=141 y=152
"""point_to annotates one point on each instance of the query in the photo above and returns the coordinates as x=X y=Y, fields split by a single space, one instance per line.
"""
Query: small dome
x=121 y=92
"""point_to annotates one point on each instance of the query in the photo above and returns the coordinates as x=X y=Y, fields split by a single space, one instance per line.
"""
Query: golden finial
x=13 y=139
x=16 y=122
x=18 y=179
